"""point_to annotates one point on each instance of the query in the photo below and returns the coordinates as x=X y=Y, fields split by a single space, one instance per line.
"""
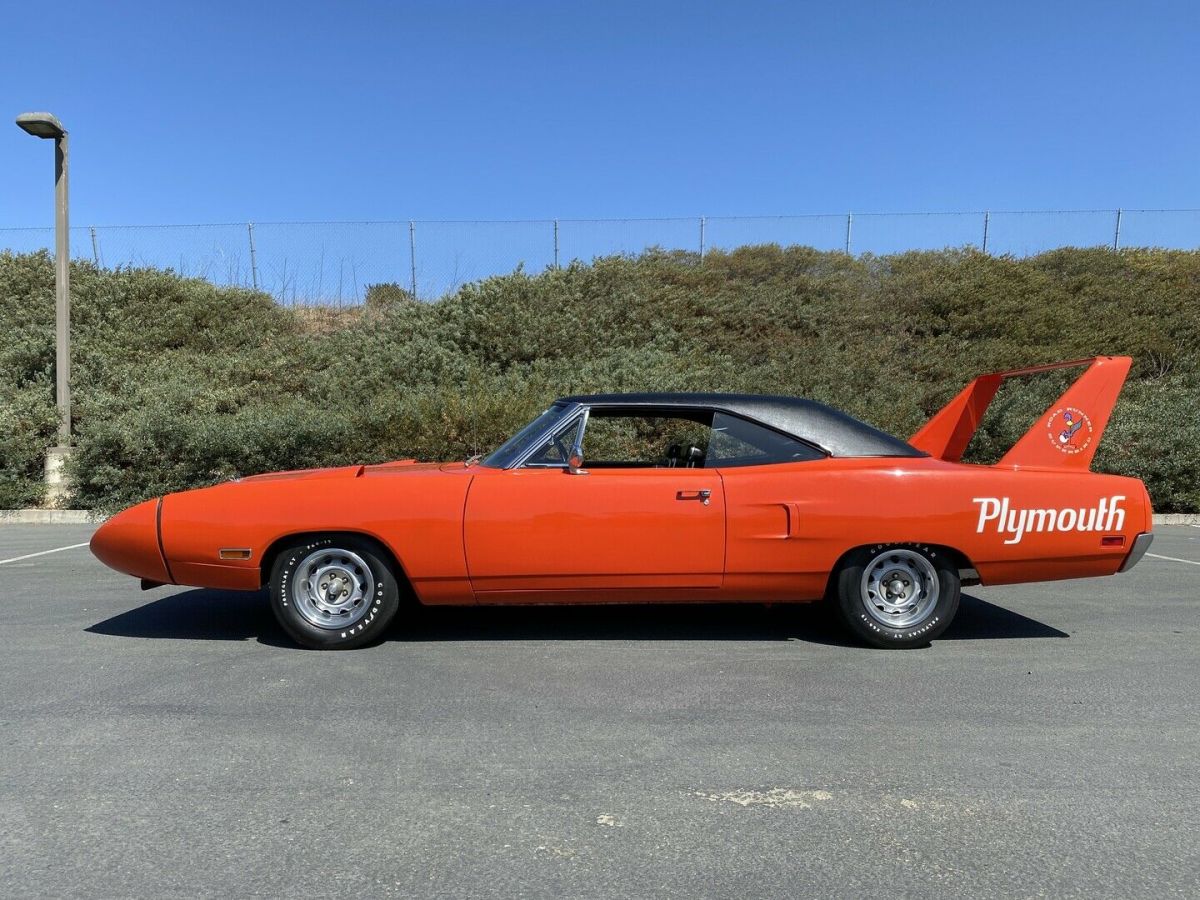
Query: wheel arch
x=966 y=569
x=271 y=554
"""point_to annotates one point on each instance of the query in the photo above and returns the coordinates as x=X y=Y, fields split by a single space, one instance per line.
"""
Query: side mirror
x=575 y=461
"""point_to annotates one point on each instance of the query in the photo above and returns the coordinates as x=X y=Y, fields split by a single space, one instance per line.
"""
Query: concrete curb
x=1177 y=519
x=87 y=517
x=50 y=517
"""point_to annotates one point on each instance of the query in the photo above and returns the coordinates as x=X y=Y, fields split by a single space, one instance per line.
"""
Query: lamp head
x=41 y=124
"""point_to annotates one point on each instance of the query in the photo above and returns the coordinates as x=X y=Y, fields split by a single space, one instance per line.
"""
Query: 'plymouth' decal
x=1015 y=523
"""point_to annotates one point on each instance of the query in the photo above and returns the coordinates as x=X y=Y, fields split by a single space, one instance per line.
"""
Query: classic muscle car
x=623 y=498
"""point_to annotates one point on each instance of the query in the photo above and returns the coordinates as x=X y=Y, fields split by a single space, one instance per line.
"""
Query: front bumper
x=129 y=542
x=1141 y=544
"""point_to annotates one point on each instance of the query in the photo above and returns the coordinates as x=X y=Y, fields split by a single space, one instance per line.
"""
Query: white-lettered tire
x=898 y=595
x=334 y=592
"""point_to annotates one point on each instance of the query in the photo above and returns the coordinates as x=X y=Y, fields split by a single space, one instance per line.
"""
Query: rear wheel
x=334 y=593
x=903 y=595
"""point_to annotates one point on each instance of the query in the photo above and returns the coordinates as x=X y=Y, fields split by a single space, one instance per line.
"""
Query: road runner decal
x=1105 y=516
x=1070 y=430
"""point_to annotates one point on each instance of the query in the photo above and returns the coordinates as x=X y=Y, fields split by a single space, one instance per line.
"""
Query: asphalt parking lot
x=172 y=743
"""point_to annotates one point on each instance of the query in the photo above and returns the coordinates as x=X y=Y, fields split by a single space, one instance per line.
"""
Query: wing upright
x=1065 y=436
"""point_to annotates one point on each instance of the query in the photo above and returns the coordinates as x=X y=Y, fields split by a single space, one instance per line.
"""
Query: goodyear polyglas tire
x=333 y=592
x=898 y=595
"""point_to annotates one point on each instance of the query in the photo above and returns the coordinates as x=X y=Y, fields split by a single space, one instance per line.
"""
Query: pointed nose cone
x=128 y=542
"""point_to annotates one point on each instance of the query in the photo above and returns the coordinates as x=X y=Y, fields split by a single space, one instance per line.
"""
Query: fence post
x=1117 y=233
x=412 y=255
x=253 y=258
x=95 y=252
x=556 y=243
x=849 y=226
x=987 y=218
x=702 y=238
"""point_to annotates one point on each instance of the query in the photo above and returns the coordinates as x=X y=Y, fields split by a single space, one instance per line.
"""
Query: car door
x=618 y=530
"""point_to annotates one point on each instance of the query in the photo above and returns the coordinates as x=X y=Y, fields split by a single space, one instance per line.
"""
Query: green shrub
x=387 y=295
x=28 y=425
x=179 y=383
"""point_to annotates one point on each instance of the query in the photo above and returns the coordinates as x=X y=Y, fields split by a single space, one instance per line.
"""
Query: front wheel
x=333 y=592
x=903 y=595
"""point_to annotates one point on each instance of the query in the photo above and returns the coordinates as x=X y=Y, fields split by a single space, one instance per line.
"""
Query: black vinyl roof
x=831 y=430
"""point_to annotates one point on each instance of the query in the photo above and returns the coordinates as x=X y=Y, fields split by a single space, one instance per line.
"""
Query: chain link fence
x=333 y=263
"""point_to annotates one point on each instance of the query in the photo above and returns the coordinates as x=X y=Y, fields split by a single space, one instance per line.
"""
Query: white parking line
x=41 y=553
x=1190 y=562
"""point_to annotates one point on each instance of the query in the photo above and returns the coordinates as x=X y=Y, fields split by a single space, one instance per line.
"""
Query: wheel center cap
x=334 y=591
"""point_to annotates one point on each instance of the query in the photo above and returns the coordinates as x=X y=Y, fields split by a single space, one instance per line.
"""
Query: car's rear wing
x=1065 y=435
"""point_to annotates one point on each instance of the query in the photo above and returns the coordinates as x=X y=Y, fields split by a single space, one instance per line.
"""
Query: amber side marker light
x=234 y=553
x=1113 y=540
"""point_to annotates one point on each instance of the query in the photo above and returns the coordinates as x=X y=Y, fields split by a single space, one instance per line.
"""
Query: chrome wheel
x=332 y=588
x=900 y=588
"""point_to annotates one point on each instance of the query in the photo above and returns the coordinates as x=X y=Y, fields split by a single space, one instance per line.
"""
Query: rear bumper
x=1141 y=544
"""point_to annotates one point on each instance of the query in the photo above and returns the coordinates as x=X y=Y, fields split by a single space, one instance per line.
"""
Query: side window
x=737 y=442
x=631 y=440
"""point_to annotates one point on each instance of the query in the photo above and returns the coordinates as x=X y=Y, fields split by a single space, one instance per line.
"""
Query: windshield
x=512 y=449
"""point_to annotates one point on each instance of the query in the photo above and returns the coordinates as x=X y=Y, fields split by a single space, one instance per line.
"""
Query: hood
x=398 y=466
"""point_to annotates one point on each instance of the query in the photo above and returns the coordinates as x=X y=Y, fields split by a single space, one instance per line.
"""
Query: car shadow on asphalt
x=211 y=615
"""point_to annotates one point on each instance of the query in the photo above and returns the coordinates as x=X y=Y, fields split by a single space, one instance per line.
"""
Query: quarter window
x=737 y=442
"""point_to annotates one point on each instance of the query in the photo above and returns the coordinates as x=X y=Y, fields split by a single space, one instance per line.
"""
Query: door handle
x=702 y=495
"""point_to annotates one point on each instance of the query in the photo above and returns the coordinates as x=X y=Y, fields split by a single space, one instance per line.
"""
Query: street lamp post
x=44 y=125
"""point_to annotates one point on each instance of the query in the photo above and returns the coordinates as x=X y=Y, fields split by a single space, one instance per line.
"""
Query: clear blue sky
x=217 y=111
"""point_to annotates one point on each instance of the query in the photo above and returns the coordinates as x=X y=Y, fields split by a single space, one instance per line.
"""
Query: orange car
x=623 y=498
